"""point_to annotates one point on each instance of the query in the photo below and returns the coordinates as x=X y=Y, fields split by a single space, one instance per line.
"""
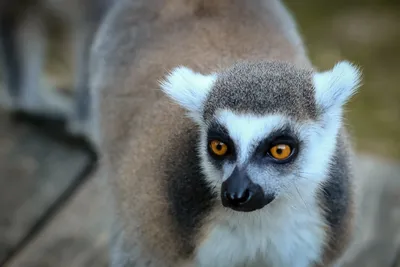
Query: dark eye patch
x=218 y=132
x=285 y=135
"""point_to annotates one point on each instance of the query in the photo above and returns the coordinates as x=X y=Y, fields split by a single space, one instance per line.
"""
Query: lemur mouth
x=239 y=193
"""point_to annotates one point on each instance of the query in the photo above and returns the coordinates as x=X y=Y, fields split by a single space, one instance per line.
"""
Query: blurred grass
x=367 y=33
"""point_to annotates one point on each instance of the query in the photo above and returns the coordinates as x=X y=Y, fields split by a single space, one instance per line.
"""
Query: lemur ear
x=335 y=87
x=188 y=88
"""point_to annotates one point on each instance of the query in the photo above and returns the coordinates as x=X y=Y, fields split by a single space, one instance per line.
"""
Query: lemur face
x=268 y=129
x=253 y=158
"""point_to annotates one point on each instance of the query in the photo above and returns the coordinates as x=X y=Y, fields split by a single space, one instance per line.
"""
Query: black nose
x=238 y=198
x=239 y=193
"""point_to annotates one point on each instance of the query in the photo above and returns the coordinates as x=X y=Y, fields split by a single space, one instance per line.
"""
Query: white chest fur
x=278 y=236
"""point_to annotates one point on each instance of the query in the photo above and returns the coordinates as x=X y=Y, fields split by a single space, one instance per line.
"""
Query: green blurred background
x=367 y=33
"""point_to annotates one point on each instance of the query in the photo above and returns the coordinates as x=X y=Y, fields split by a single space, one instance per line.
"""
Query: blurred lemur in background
x=24 y=44
x=257 y=172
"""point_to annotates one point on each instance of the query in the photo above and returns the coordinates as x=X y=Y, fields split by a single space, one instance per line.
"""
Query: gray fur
x=264 y=88
x=337 y=198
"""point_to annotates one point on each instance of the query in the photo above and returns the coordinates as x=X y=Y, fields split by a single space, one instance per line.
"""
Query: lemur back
x=170 y=209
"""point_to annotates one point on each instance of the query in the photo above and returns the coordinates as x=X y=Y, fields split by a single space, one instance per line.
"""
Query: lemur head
x=268 y=129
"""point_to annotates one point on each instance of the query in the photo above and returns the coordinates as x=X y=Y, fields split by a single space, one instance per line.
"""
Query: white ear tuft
x=335 y=87
x=187 y=88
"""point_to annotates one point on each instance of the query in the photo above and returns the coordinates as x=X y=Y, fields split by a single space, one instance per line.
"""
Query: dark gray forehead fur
x=264 y=88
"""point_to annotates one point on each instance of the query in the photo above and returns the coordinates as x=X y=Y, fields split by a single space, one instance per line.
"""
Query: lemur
x=222 y=143
x=23 y=51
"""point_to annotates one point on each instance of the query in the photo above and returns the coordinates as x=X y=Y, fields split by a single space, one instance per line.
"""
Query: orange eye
x=280 y=152
x=218 y=147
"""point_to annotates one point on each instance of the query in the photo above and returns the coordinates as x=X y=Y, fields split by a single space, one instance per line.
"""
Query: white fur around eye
x=335 y=87
x=188 y=88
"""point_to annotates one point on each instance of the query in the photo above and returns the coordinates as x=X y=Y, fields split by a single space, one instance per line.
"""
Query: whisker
x=305 y=205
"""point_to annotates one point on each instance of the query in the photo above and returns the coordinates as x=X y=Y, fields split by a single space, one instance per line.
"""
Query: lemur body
x=206 y=188
x=24 y=46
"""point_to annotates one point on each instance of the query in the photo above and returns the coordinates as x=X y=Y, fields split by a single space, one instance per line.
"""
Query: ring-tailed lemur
x=242 y=158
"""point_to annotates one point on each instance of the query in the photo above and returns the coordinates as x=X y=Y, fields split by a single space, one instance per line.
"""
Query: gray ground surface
x=77 y=236
x=35 y=173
